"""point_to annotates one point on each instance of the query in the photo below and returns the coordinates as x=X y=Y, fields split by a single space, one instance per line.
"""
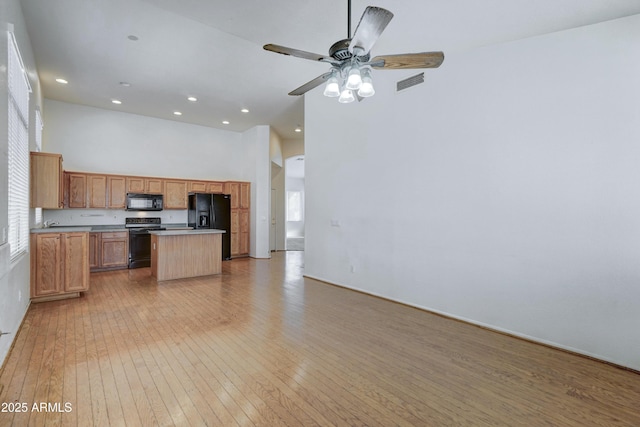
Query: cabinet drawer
x=115 y=235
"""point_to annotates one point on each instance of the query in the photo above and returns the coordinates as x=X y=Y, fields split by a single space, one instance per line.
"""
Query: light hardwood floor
x=260 y=345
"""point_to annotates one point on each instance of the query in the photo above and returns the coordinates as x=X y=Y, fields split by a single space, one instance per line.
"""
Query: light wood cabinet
x=240 y=216
x=47 y=181
x=139 y=184
x=75 y=196
x=108 y=250
x=215 y=187
x=116 y=192
x=59 y=265
x=97 y=191
x=197 y=187
x=245 y=195
x=175 y=194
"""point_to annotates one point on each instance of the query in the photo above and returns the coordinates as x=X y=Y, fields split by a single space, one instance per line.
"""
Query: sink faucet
x=48 y=223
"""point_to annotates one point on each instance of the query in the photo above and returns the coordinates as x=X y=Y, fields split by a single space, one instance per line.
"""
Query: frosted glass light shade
x=366 y=90
x=354 y=81
x=332 y=89
x=346 y=97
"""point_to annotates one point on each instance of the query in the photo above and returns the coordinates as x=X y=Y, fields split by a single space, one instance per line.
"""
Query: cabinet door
x=76 y=190
x=175 y=194
x=215 y=187
x=244 y=232
x=116 y=192
x=233 y=188
x=153 y=185
x=235 y=232
x=46 y=181
x=97 y=185
x=94 y=250
x=197 y=187
x=135 y=184
x=48 y=265
x=76 y=262
x=114 y=248
x=245 y=195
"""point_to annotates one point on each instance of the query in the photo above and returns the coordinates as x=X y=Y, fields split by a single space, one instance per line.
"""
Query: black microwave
x=144 y=202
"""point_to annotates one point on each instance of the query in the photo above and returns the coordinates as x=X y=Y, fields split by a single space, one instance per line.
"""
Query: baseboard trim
x=490 y=328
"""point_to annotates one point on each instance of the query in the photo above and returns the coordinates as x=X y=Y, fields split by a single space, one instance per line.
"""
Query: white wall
x=14 y=277
x=105 y=141
x=503 y=191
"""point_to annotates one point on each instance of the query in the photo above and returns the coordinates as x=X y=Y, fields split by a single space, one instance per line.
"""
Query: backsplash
x=109 y=216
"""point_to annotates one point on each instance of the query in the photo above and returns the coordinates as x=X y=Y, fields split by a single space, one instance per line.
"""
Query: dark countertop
x=100 y=228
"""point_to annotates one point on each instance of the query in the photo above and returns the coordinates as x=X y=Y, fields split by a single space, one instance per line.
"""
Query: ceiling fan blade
x=298 y=53
x=310 y=85
x=374 y=20
x=408 y=60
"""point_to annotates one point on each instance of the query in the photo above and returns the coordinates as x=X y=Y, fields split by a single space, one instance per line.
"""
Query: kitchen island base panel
x=185 y=255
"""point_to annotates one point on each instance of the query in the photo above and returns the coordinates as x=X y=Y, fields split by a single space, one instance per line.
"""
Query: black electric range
x=140 y=240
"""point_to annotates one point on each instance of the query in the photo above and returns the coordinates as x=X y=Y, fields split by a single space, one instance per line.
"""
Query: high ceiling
x=212 y=49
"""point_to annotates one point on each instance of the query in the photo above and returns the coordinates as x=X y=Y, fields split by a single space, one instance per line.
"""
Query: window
x=18 y=155
x=294 y=206
x=38 y=136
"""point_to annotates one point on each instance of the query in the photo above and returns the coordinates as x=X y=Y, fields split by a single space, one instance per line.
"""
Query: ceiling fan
x=351 y=62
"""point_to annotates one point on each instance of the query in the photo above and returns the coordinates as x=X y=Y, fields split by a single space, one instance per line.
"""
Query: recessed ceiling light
x=225 y=122
x=244 y=110
x=116 y=101
x=133 y=38
x=298 y=129
x=192 y=98
x=125 y=84
x=62 y=81
x=177 y=113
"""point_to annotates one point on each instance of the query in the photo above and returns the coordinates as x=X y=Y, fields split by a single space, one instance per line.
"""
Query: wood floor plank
x=261 y=345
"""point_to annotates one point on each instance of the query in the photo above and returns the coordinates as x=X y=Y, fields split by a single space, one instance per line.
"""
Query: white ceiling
x=212 y=49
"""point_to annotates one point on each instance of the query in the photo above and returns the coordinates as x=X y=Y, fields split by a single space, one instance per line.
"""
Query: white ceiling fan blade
x=297 y=53
x=373 y=22
x=310 y=85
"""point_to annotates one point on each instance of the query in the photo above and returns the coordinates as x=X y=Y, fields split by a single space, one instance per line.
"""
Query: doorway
x=294 y=203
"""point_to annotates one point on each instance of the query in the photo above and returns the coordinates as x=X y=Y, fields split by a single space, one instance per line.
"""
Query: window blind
x=18 y=150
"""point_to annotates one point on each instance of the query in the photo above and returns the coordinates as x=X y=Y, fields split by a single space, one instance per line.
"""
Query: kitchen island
x=177 y=254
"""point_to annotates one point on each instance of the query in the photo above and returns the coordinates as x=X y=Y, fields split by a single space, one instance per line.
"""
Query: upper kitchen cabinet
x=206 y=187
x=175 y=194
x=47 y=181
x=138 y=184
x=245 y=195
x=233 y=188
x=97 y=194
x=75 y=190
x=116 y=192
x=197 y=187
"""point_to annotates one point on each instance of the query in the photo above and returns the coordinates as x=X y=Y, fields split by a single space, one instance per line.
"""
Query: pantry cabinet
x=240 y=216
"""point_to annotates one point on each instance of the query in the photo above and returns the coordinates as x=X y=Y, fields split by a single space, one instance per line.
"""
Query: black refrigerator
x=212 y=211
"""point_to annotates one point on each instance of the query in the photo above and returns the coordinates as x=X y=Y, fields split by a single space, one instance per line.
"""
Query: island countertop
x=186 y=232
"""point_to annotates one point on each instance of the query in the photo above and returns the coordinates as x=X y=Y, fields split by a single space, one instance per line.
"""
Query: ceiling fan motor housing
x=340 y=51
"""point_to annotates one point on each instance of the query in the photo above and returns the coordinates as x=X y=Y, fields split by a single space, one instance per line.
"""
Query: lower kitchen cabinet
x=59 y=265
x=108 y=250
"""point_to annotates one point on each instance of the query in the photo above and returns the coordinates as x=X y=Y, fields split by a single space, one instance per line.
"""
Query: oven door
x=139 y=248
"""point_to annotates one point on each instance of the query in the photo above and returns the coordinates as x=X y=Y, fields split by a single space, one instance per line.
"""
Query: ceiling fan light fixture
x=354 y=81
x=332 y=89
x=346 y=97
x=366 y=89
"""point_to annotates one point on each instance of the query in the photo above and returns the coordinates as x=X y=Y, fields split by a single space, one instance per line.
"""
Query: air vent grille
x=411 y=81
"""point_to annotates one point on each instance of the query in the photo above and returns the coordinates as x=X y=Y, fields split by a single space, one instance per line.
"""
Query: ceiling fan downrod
x=349 y=19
